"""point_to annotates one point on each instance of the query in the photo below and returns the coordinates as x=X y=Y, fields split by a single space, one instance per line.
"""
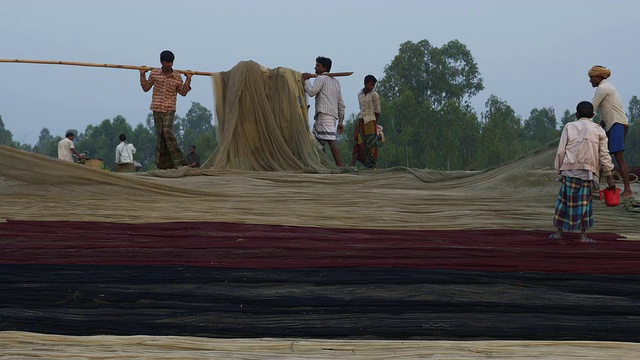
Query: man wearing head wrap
x=614 y=121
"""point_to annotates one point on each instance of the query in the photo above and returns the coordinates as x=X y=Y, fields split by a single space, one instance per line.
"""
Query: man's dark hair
x=122 y=137
x=167 y=56
x=70 y=134
x=324 y=61
x=193 y=146
x=370 y=78
x=584 y=109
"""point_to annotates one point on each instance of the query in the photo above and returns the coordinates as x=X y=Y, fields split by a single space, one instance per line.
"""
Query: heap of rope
x=630 y=204
x=618 y=178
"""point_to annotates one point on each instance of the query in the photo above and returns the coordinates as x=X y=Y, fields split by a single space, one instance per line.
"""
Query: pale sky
x=530 y=53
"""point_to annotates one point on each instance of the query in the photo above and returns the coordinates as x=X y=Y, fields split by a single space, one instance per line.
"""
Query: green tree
x=500 y=132
x=424 y=97
x=144 y=139
x=541 y=127
x=6 y=137
x=403 y=121
x=457 y=136
x=46 y=144
x=634 y=111
x=198 y=119
x=567 y=117
x=198 y=130
x=632 y=141
x=432 y=74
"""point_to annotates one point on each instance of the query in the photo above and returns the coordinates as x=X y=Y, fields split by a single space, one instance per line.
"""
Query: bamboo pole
x=115 y=66
x=130 y=67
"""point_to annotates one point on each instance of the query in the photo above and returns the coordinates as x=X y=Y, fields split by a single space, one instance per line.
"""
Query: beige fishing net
x=263 y=122
x=519 y=195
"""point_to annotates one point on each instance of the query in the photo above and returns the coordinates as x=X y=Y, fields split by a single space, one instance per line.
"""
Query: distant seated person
x=124 y=155
x=193 y=158
x=66 y=149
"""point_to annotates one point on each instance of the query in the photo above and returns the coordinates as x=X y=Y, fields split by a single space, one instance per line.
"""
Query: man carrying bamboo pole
x=329 y=106
x=167 y=84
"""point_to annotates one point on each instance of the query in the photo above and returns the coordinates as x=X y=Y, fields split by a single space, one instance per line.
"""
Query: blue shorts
x=616 y=135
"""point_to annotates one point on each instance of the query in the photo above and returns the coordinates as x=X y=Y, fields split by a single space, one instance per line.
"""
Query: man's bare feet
x=556 y=236
x=626 y=194
x=586 y=239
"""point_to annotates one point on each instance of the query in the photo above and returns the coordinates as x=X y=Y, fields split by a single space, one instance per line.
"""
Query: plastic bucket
x=611 y=196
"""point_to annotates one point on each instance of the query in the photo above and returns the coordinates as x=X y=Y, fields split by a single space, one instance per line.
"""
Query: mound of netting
x=19 y=168
x=263 y=121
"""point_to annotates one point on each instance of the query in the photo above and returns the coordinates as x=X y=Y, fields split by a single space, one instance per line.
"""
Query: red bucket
x=611 y=196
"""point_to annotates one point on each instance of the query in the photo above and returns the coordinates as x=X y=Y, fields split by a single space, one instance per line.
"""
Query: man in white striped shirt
x=329 y=106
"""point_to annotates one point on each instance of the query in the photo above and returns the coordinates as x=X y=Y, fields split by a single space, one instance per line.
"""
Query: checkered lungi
x=574 y=209
x=365 y=143
x=324 y=129
x=168 y=152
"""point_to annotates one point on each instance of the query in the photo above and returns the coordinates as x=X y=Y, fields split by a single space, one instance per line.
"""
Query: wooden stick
x=347 y=73
x=115 y=66
x=131 y=67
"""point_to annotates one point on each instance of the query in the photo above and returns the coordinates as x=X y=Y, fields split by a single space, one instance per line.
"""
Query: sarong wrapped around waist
x=324 y=127
x=574 y=208
x=365 y=142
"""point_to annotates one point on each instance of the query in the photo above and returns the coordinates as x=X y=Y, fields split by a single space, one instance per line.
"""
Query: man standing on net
x=329 y=106
x=124 y=155
x=66 y=149
x=167 y=84
x=614 y=121
x=365 y=137
x=582 y=154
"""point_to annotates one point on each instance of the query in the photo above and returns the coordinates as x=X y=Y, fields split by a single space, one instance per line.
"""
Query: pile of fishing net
x=263 y=122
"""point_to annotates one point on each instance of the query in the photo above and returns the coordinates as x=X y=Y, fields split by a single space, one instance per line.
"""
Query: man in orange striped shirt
x=167 y=84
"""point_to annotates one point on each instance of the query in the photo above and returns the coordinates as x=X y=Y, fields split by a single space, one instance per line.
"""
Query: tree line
x=99 y=141
x=428 y=121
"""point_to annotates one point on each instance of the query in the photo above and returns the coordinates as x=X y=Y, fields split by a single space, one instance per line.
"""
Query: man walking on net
x=329 y=106
x=167 y=84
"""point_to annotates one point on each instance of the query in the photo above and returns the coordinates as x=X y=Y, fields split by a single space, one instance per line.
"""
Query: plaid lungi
x=168 y=152
x=365 y=143
x=324 y=128
x=574 y=209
